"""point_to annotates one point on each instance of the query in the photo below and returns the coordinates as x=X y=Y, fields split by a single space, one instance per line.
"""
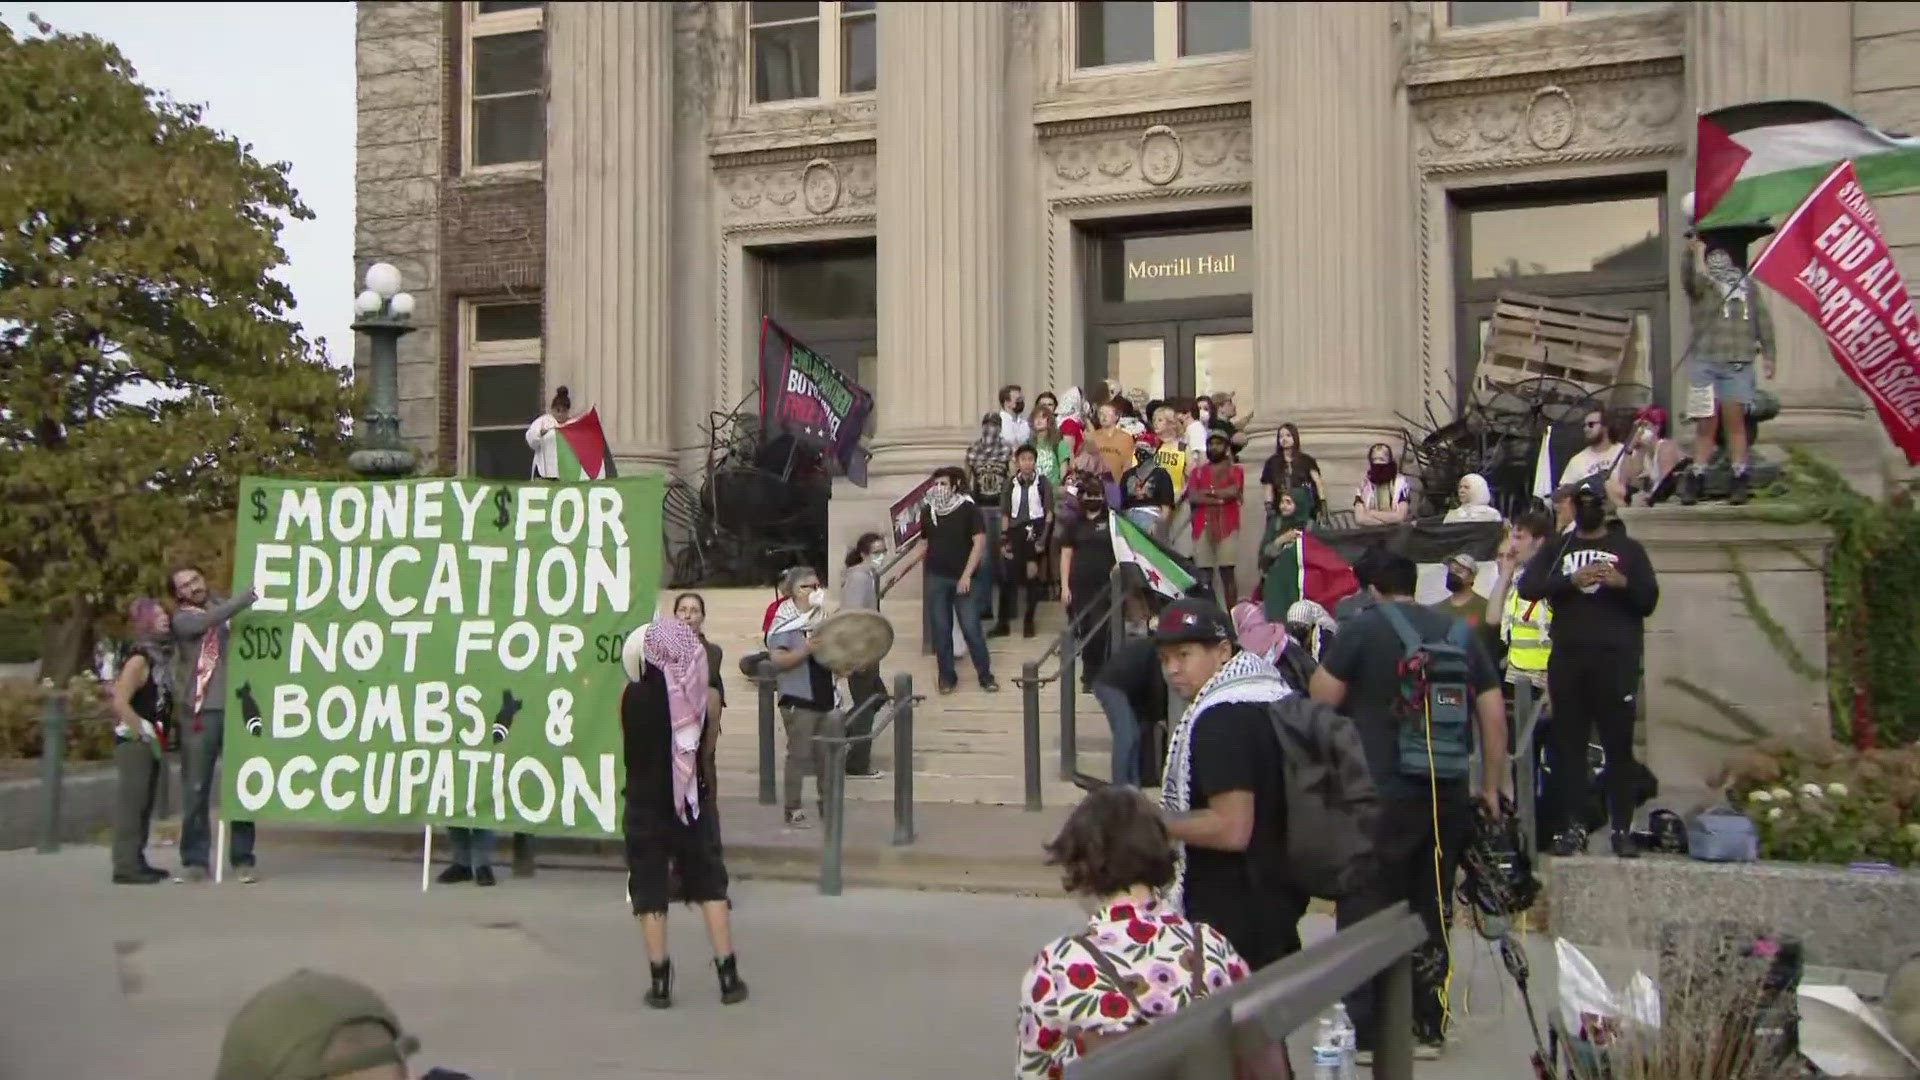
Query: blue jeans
x=1126 y=733
x=472 y=848
x=203 y=774
x=944 y=603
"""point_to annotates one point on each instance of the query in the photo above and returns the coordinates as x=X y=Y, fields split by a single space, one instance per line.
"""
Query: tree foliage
x=147 y=358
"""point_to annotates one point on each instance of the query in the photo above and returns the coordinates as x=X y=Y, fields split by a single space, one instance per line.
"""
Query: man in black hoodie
x=1602 y=588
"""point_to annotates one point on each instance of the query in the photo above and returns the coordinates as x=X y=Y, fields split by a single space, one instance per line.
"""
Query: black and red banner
x=803 y=396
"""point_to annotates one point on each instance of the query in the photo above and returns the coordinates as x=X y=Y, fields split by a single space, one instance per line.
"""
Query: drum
x=852 y=640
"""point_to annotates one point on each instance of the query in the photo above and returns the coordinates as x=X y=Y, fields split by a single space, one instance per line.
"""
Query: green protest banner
x=440 y=651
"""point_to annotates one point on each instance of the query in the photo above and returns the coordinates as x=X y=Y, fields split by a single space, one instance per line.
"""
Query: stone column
x=941 y=249
x=1753 y=50
x=609 y=219
x=1334 y=250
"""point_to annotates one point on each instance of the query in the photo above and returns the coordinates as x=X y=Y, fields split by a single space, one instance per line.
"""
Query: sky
x=279 y=76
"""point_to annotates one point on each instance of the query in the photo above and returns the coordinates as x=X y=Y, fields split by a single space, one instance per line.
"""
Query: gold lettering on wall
x=1186 y=266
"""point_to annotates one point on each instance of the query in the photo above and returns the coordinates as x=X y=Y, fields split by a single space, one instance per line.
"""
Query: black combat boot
x=660 y=994
x=733 y=991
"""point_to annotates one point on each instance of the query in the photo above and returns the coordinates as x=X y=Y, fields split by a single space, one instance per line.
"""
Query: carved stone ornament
x=1551 y=117
x=1160 y=155
x=820 y=186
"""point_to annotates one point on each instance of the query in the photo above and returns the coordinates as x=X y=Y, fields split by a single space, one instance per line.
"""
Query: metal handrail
x=1524 y=780
x=833 y=786
x=1030 y=680
x=1202 y=1041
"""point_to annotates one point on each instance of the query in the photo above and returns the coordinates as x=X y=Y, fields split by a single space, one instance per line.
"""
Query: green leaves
x=147 y=358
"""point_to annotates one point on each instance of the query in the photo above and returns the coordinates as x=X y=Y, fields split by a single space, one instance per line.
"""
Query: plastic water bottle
x=1345 y=1040
x=1326 y=1053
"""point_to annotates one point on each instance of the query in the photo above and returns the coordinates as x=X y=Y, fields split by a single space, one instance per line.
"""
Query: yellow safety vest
x=1524 y=627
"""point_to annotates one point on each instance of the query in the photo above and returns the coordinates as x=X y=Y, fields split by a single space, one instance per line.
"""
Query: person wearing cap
x=1602 y=587
x=1223 y=793
x=1462 y=602
x=315 y=1026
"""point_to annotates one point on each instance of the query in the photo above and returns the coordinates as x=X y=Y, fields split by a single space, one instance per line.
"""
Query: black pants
x=1089 y=614
x=1013 y=577
x=862 y=685
x=1593 y=691
x=1404 y=844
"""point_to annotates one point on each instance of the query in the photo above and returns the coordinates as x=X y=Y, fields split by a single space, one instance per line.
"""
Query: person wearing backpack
x=1421 y=690
x=1224 y=792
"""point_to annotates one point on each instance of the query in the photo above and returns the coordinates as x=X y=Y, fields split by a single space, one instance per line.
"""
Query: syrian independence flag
x=580 y=448
x=1759 y=160
x=1165 y=574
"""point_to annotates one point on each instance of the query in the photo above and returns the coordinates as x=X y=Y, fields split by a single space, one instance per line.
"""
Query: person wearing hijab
x=142 y=702
x=1072 y=413
x=1309 y=624
x=1476 y=501
x=663 y=711
x=1301 y=566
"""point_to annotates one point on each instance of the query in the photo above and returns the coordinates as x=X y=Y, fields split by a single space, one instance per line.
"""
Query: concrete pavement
x=542 y=978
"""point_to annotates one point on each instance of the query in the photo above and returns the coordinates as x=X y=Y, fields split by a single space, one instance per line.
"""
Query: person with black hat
x=1602 y=588
x=1224 y=793
x=315 y=1026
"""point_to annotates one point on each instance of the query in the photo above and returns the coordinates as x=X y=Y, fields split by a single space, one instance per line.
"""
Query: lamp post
x=384 y=314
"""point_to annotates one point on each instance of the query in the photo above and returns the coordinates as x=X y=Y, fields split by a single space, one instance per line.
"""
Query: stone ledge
x=1846 y=919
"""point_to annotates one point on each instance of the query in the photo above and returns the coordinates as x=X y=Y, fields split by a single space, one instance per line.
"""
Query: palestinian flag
x=1164 y=572
x=1759 y=160
x=1307 y=569
x=580 y=448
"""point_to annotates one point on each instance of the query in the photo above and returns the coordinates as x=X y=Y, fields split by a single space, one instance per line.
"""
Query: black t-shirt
x=1242 y=894
x=1092 y=544
x=1153 y=489
x=1134 y=670
x=713 y=671
x=950 y=539
x=1366 y=656
x=1276 y=475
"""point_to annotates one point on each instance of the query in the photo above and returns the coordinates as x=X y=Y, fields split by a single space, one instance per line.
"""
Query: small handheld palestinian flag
x=1164 y=572
x=1759 y=160
x=580 y=449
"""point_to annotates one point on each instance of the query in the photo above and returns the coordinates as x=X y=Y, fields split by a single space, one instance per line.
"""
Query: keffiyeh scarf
x=1245 y=677
x=675 y=649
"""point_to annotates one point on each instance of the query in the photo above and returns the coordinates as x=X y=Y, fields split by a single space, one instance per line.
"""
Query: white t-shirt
x=546 y=455
x=1592 y=460
x=1015 y=431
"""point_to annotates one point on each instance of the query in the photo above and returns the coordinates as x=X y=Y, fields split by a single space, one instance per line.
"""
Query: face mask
x=877 y=558
x=1457 y=582
x=1017 y=408
x=1379 y=473
x=818 y=599
x=1589 y=517
x=1216 y=455
x=1093 y=507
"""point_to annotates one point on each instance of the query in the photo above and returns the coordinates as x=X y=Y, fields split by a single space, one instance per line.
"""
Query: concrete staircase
x=968 y=745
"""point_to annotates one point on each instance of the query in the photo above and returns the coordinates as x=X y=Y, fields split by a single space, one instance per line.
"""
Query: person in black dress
x=142 y=703
x=668 y=826
x=1086 y=561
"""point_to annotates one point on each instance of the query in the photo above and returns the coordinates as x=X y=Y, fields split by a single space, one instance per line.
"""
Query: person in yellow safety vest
x=1523 y=623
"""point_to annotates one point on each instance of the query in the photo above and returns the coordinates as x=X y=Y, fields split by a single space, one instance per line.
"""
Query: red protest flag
x=1830 y=259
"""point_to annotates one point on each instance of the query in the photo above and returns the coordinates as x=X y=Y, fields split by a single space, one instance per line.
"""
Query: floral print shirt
x=1065 y=997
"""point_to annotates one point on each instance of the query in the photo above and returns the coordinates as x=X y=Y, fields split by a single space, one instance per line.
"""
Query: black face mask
x=1017 y=408
x=1456 y=583
x=1093 y=507
x=1589 y=516
x=1380 y=473
x=1216 y=455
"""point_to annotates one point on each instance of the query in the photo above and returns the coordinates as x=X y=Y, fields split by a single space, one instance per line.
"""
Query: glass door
x=1216 y=356
x=1136 y=355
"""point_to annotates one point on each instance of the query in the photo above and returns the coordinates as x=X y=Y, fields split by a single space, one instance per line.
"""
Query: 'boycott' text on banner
x=1831 y=260
x=436 y=651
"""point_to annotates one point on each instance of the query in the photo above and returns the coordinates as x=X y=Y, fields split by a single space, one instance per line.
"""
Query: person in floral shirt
x=1137 y=961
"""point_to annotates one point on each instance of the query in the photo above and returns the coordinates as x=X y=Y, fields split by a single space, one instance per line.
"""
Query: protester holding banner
x=1731 y=329
x=667 y=826
x=200 y=625
x=142 y=702
x=541 y=437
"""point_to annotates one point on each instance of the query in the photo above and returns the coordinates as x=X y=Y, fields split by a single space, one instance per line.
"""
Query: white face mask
x=877 y=558
x=818 y=599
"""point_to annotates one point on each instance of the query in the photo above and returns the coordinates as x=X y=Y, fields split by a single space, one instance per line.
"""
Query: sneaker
x=455 y=874
x=1428 y=1051
x=1741 y=489
x=869 y=774
x=246 y=874
x=197 y=874
x=136 y=879
x=1000 y=630
x=1570 y=843
x=1690 y=484
x=948 y=687
x=990 y=685
x=798 y=819
x=1624 y=845
x=483 y=877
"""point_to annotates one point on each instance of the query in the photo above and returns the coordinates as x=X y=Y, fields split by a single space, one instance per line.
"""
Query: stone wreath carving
x=1160 y=155
x=820 y=186
x=1551 y=117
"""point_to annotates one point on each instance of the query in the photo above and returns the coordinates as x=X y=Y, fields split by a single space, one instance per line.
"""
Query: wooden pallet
x=1531 y=336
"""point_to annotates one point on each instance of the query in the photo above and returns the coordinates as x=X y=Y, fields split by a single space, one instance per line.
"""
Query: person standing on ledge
x=541 y=436
x=1731 y=329
x=200 y=624
x=1602 y=588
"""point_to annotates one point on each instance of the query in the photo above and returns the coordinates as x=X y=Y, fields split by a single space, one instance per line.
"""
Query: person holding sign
x=663 y=711
x=200 y=623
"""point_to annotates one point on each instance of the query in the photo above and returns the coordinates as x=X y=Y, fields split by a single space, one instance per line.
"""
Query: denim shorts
x=1728 y=381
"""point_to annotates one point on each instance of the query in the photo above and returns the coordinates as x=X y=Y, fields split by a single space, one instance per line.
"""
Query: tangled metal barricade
x=753 y=508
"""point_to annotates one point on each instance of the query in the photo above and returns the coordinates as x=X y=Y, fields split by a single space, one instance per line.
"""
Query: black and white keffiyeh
x=1245 y=677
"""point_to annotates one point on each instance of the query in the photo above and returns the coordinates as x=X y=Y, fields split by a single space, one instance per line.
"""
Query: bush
x=1825 y=803
x=19 y=636
x=89 y=722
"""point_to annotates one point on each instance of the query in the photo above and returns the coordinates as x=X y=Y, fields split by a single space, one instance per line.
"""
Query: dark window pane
x=504 y=394
x=500 y=455
x=1215 y=28
x=1491 y=11
x=858 y=67
x=506 y=322
x=488 y=7
x=786 y=62
x=856 y=5
x=825 y=287
x=1115 y=32
x=509 y=129
x=766 y=11
x=506 y=63
x=1613 y=236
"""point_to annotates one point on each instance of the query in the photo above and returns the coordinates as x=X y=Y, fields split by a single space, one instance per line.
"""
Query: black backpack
x=1331 y=799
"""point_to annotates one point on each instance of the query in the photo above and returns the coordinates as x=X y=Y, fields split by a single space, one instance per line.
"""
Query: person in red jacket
x=1215 y=489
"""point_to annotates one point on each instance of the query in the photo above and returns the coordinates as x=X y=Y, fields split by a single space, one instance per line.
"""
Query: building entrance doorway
x=1170 y=307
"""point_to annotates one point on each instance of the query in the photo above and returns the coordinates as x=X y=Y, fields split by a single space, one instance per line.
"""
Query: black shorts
x=655 y=852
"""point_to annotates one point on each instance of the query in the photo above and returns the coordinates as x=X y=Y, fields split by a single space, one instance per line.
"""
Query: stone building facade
x=1309 y=204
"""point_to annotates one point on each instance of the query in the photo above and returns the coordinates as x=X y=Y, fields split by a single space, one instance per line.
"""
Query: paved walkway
x=543 y=978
